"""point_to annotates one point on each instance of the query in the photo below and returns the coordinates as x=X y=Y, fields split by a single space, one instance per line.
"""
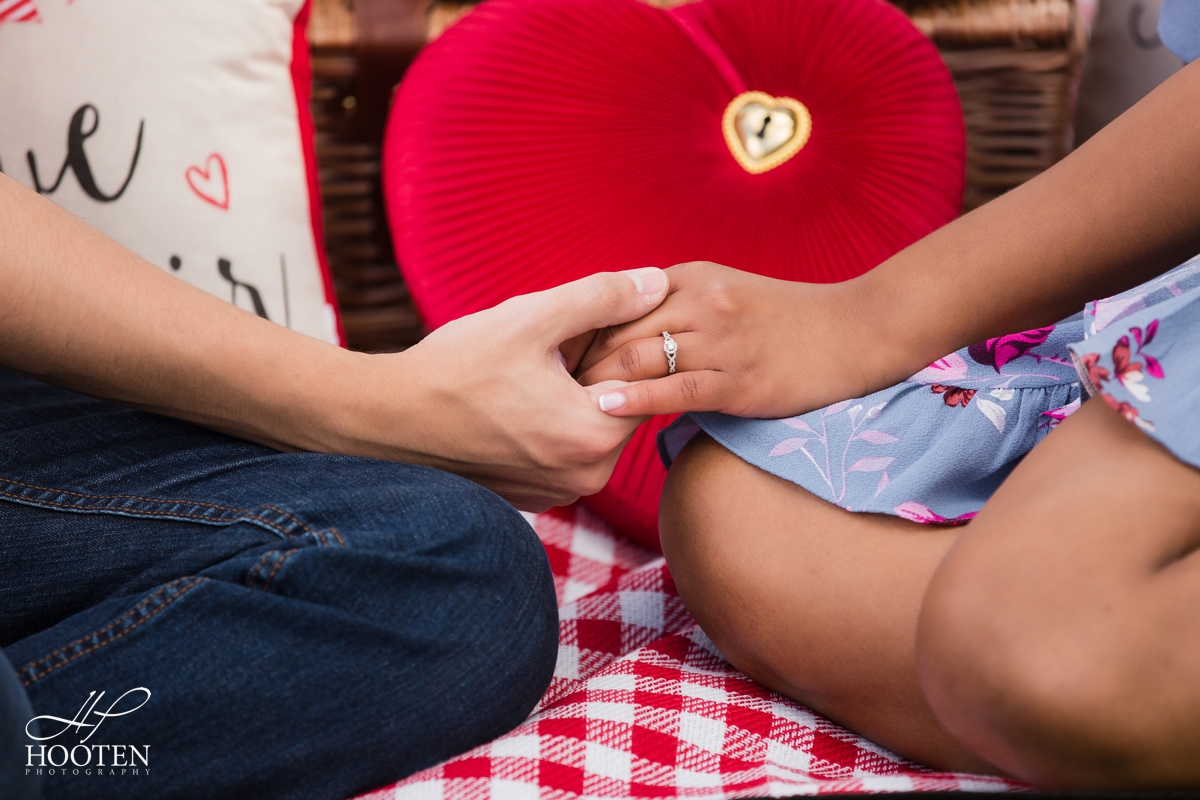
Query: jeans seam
x=258 y=567
x=275 y=569
x=297 y=520
x=245 y=512
x=256 y=572
x=32 y=665
x=127 y=497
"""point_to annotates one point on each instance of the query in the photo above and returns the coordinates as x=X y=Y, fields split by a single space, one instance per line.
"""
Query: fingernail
x=650 y=281
x=611 y=401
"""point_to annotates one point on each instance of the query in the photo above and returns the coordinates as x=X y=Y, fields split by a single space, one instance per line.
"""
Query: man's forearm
x=485 y=396
x=80 y=311
x=1122 y=209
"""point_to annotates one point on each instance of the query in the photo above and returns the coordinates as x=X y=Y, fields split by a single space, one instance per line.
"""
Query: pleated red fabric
x=539 y=141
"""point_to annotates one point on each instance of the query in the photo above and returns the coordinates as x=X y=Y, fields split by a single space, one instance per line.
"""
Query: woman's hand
x=748 y=345
x=1112 y=214
x=489 y=397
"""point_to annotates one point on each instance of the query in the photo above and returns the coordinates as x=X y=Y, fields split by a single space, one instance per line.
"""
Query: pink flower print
x=836 y=408
x=951 y=368
x=1057 y=415
x=1128 y=411
x=1154 y=368
x=799 y=424
x=827 y=461
x=953 y=395
x=1151 y=332
x=1096 y=374
x=871 y=464
x=912 y=510
x=997 y=352
x=1129 y=372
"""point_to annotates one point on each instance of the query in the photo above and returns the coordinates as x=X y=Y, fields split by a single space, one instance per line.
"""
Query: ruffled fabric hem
x=901 y=451
x=1144 y=360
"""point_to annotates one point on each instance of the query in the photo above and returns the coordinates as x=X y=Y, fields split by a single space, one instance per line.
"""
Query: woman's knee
x=713 y=560
x=748 y=551
x=1046 y=695
x=1036 y=642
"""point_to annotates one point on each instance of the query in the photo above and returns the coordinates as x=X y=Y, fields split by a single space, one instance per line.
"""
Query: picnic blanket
x=643 y=705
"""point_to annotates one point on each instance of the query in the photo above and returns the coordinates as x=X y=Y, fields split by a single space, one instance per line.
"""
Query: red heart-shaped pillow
x=539 y=141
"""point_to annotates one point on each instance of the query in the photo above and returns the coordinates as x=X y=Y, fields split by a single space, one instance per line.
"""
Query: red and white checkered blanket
x=643 y=705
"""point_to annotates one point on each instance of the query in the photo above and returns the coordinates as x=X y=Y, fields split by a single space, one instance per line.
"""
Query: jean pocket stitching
x=155 y=500
x=191 y=582
x=242 y=513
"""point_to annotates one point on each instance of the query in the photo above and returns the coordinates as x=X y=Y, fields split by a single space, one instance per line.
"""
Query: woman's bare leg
x=813 y=601
x=1061 y=636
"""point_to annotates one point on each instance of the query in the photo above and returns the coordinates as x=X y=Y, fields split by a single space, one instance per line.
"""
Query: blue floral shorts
x=933 y=448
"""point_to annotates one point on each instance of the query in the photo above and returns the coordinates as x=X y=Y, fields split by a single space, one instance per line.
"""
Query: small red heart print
x=210 y=183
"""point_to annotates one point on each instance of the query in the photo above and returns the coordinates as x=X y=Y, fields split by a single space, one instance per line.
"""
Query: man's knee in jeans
x=497 y=602
x=452 y=580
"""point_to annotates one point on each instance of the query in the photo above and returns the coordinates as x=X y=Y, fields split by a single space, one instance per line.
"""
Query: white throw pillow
x=175 y=127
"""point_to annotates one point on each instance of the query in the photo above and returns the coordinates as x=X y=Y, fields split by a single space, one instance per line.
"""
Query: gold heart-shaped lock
x=764 y=131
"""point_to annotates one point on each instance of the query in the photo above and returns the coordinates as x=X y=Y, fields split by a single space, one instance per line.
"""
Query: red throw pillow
x=539 y=141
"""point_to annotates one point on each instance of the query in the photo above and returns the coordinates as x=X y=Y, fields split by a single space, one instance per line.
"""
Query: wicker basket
x=377 y=310
x=1016 y=64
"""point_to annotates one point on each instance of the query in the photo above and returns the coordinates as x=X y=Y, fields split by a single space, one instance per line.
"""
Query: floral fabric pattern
x=1136 y=357
x=934 y=448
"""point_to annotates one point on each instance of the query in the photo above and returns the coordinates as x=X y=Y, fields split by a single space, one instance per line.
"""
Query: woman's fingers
x=703 y=390
x=609 y=340
x=698 y=299
x=642 y=359
x=606 y=388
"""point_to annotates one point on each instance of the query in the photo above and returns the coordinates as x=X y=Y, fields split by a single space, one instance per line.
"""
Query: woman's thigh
x=816 y=602
x=1060 y=638
x=302 y=625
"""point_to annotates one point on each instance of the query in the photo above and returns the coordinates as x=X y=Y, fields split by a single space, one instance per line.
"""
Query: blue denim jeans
x=261 y=624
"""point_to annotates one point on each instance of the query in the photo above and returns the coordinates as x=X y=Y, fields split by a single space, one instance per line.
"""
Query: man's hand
x=490 y=398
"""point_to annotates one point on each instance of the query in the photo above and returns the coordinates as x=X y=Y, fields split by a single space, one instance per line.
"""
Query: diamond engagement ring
x=670 y=347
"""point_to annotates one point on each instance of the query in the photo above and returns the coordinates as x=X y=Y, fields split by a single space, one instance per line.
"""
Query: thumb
x=598 y=301
x=702 y=390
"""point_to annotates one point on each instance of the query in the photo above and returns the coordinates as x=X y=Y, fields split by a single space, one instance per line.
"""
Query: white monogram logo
x=82 y=754
x=80 y=722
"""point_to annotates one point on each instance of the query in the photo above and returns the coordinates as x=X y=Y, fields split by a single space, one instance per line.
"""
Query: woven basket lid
x=539 y=141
